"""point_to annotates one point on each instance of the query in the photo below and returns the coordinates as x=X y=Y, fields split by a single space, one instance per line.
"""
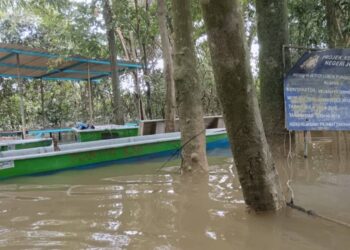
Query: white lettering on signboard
x=6 y=165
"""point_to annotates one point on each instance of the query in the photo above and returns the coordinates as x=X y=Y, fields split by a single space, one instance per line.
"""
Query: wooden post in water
x=21 y=93
x=305 y=145
x=91 y=112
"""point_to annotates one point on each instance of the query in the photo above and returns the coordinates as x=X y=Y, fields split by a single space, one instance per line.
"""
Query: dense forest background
x=77 y=27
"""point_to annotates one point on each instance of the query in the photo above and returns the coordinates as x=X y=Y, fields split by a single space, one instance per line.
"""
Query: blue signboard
x=317 y=91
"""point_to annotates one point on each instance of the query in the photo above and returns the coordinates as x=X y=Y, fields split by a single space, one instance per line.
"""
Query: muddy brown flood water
x=136 y=207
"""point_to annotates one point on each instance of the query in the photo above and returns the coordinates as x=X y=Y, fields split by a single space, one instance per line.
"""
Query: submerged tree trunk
x=188 y=90
x=272 y=26
x=168 y=69
x=257 y=174
x=110 y=27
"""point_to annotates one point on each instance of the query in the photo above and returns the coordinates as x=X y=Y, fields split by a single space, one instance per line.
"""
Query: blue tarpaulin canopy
x=24 y=62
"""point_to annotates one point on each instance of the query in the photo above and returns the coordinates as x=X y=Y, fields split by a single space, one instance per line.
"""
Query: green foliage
x=307 y=23
x=72 y=27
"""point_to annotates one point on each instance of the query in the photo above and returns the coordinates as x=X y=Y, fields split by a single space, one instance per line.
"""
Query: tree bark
x=42 y=102
x=337 y=38
x=138 y=100
x=110 y=28
x=257 y=174
x=147 y=82
x=170 y=102
x=188 y=90
x=272 y=24
x=337 y=18
x=331 y=22
x=148 y=109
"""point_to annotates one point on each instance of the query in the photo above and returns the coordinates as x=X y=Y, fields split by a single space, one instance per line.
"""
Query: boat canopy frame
x=21 y=62
x=40 y=64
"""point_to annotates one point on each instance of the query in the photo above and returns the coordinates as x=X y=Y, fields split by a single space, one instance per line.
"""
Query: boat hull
x=96 y=157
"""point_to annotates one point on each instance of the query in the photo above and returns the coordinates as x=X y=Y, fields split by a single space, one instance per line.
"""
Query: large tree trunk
x=188 y=90
x=110 y=28
x=170 y=105
x=257 y=174
x=272 y=26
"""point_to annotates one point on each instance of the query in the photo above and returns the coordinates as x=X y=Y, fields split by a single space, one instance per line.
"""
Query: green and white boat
x=89 y=154
x=104 y=132
x=7 y=145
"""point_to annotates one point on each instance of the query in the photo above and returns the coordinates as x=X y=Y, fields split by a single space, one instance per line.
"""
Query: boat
x=6 y=145
x=103 y=132
x=96 y=153
x=151 y=127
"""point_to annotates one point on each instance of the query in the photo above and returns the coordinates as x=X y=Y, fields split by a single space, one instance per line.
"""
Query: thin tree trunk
x=42 y=99
x=138 y=100
x=337 y=19
x=146 y=70
x=147 y=82
x=188 y=90
x=132 y=56
x=272 y=24
x=336 y=38
x=331 y=22
x=122 y=40
x=144 y=59
x=257 y=174
x=110 y=27
x=170 y=105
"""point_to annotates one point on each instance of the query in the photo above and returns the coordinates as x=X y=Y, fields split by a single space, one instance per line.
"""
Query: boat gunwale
x=177 y=136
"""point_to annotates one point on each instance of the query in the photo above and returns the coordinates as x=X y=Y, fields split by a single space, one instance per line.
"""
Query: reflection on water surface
x=136 y=207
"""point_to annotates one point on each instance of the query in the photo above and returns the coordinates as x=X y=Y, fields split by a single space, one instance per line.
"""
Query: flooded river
x=135 y=206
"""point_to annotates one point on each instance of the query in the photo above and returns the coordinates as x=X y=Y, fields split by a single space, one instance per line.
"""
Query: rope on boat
x=178 y=151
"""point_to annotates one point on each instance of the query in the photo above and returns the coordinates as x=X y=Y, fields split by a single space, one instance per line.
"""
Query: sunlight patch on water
x=113 y=240
x=211 y=235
